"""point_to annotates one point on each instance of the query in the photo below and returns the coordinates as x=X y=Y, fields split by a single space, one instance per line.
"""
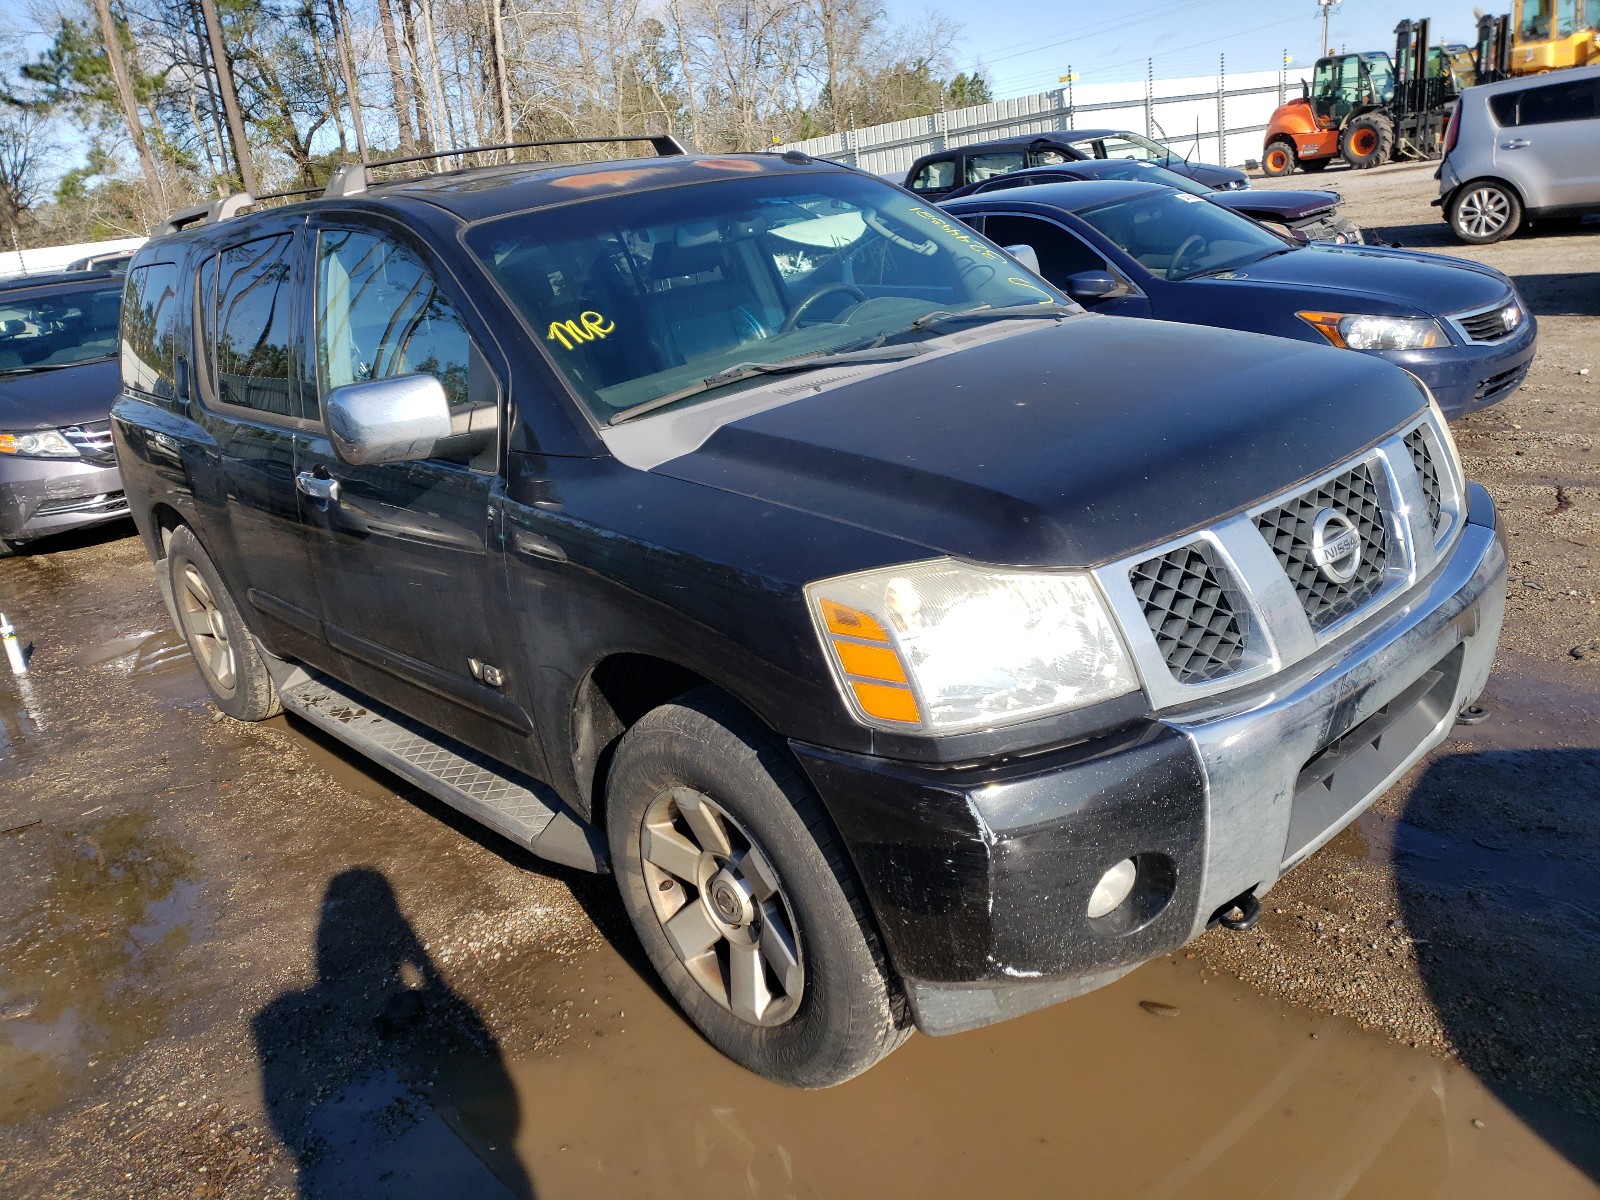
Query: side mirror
x=1087 y=287
x=388 y=420
x=1026 y=255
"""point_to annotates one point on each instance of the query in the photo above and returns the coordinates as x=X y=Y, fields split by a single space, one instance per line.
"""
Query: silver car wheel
x=207 y=630
x=1483 y=212
x=722 y=906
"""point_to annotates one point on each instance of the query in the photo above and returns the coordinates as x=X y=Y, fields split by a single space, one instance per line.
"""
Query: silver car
x=1522 y=149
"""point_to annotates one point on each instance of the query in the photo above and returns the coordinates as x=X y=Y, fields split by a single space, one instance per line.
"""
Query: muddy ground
x=236 y=962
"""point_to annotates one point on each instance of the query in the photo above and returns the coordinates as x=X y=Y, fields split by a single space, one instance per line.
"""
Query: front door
x=1062 y=254
x=409 y=578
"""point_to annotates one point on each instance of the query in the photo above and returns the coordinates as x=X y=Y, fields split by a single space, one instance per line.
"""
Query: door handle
x=1515 y=143
x=318 y=487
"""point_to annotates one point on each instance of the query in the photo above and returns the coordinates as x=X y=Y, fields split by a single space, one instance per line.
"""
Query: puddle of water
x=1234 y=1098
x=91 y=957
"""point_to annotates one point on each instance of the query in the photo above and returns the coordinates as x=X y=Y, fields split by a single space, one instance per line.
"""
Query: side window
x=379 y=314
x=987 y=166
x=1569 y=100
x=246 y=330
x=149 y=314
x=1060 y=254
x=1504 y=108
x=936 y=176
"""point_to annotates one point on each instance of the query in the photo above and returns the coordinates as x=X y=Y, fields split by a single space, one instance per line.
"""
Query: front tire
x=1485 y=211
x=1278 y=160
x=1367 y=141
x=224 y=649
x=743 y=898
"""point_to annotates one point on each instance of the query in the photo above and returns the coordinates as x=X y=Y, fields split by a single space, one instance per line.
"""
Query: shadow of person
x=378 y=1077
x=1497 y=870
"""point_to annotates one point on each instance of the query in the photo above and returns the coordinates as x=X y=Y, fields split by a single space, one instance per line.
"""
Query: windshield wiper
x=31 y=368
x=750 y=370
x=987 y=312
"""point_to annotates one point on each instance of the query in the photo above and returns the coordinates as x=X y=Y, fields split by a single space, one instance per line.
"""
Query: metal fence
x=1209 y=118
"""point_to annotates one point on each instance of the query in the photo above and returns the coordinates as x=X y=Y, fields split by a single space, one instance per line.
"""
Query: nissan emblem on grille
x=1335 y=546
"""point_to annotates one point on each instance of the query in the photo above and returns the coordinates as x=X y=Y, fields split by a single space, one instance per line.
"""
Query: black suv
x=914 y=648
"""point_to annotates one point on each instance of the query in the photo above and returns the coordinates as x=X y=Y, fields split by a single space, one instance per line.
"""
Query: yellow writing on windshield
x=958 y=233
x=588 y=327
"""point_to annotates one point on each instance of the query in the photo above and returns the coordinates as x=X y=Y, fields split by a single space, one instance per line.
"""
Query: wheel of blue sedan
x=743 y=899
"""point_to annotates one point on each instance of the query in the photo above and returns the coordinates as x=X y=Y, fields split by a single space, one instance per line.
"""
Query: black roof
x=58 y=279
x=1047 y=138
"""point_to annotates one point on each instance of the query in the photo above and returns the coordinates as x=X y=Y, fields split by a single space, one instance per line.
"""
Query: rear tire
x=224 y=649
x=1484 y=211
x=725 y=859
x=1367 y=141
x=1279 y=160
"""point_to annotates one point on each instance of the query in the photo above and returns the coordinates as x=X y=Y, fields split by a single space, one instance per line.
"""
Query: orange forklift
x=1369 y=108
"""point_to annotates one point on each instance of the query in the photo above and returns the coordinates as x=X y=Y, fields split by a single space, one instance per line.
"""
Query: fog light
x=1113 y=888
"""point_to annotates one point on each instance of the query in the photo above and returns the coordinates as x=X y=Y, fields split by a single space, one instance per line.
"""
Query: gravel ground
x=207 y=925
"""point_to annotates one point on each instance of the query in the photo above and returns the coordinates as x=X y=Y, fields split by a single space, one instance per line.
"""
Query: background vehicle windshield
x=1146 y=172
x=640 y=295
x=59 y=329
x=1124 y=145
x=1178 y=236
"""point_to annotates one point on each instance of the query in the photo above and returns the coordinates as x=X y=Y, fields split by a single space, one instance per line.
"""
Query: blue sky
x=1024 y=45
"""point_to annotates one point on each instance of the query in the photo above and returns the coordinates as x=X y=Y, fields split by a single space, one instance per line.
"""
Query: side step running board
x=523 y=809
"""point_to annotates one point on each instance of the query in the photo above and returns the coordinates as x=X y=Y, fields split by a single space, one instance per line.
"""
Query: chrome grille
x=1287 y=529
x=1188 y=604
x=1428 y=471
x=93 y=441
x=1491 y=324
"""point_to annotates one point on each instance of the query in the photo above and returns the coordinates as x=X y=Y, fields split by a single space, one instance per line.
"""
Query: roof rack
x=350 y=179
x=220 y=210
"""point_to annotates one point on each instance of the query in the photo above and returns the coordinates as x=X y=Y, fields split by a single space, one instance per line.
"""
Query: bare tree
x=21 y=153
x=116 y=61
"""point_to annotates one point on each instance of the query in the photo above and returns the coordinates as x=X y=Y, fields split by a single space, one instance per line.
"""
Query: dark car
x=1314 y=214
x=1135 y=249
x=58 y=379
x=937 y=175
x=914 y=647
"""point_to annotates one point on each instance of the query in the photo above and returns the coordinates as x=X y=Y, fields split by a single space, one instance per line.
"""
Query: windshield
x=1177 y=236
x=1124 y=145
x=641 y=296
x=59 y=329
x=1150 y=173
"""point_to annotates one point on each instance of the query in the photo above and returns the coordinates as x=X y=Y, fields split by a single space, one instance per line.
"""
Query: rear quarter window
x=936 y=176
x=1504 y=108
x=149 y=326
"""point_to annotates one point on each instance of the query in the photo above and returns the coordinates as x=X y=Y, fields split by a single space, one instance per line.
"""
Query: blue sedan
x=1142 y=250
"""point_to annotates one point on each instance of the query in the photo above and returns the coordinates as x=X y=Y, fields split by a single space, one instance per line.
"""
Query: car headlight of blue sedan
x=1362 y=331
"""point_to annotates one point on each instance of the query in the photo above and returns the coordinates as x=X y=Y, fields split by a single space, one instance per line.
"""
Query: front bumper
x=980 y=876
x=41 y=496
x=1464 y=379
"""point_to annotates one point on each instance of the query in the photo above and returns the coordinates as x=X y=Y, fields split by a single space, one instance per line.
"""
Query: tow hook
x=1240 y=913
x=1472 y=714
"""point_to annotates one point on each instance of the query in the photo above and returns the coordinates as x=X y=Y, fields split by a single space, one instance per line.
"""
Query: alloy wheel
x=1483 y=212
x=207 y=629
x=722 y=906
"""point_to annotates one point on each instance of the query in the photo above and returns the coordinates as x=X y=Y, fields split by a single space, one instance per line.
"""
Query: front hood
x=1213 y=176
x=63 y=396
x=1071 y=445
x=1278 y=206
x=1402 y=279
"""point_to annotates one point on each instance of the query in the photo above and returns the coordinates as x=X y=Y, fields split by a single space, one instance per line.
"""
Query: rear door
x=253 y=408
x=411 y=589
x=1553 y=152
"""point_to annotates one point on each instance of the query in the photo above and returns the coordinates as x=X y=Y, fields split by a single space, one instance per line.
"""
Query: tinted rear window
x=246 y=329
x=149 y=320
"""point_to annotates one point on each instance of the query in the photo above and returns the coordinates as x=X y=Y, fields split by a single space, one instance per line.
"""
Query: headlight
x=1358 y=331
x=37 y=443
x=944 y=646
